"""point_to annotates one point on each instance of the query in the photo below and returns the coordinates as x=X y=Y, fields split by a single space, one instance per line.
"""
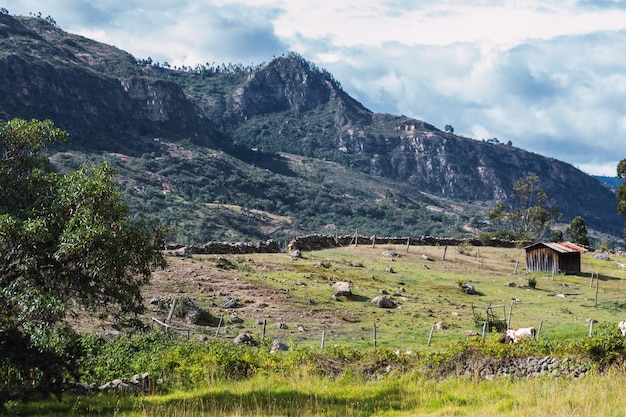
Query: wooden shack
x=563 y=257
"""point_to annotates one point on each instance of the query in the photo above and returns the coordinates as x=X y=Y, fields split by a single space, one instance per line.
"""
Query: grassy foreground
x=350 y=377
x=306 y=395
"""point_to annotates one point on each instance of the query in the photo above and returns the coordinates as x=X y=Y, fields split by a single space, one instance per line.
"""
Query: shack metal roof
x=561 y=247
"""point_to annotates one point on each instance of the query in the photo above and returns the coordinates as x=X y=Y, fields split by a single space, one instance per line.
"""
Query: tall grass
x=303 y=394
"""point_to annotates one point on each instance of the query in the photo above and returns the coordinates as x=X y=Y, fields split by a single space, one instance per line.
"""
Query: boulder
x=342 y=288
x=468 y=289
x=277 y=345
x=383 y=302
x=245 y=339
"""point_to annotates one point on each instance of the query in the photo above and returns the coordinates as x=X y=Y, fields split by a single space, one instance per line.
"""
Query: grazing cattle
x=515 y=335
x=622 y=327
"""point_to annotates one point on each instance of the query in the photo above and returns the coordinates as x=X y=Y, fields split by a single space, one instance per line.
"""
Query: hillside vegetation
x=229 y=152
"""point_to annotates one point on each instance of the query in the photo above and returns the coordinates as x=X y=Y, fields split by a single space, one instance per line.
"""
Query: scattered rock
x=428 y=258
x=245 y=339
x=277 y=345
x=235 y=319
x=383 y=302
x=296 y=254
x=228 y=302
x=440 y=325
x=390 y=270
x=468 y=289
x=342 y=288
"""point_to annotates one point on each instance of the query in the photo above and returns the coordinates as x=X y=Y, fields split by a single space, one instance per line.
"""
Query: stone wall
x=224 y=248
x=517 y=367
x=317 y=242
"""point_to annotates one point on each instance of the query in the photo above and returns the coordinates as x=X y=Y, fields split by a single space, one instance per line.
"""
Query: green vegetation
x=621 y=190
x=349 y=376
x=577 y=231
x=526 y=217
x=67 y=243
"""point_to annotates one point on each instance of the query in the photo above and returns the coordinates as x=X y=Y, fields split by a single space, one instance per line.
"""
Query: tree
x=448 y=128
x=556 y=237
x=66 y=243
x=621 y=191
x=526 y=215
x=577 y=231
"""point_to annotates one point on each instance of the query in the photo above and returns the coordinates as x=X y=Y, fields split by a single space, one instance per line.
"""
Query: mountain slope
x=233 y=152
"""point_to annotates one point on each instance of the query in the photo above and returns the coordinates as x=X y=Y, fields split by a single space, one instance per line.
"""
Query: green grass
x=302 y=394
x=561 y=305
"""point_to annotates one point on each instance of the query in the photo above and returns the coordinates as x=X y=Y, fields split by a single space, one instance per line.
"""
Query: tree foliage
x=526 y=214
x=67 y=243
x=621 y=190
x=577 y=231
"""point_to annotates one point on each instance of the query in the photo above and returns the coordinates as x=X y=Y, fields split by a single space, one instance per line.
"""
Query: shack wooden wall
x=541 y=259
x=544 y=259
x=569 y=262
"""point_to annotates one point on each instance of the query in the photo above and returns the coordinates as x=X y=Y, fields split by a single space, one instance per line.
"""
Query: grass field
x=426 y=289
x=427 y=292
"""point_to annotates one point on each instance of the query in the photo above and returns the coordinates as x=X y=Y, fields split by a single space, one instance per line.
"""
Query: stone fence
x=224 y=248
x=485 y=367
x=317 y=242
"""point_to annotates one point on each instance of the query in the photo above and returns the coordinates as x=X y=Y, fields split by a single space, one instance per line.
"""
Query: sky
x=549 y=76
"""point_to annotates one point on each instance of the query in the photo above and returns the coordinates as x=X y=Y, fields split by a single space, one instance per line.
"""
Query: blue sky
x=550 y=76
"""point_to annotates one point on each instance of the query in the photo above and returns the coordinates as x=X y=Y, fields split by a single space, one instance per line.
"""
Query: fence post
x=484 y=329
x=408 y=243
x=539 y=330
x=508 y=322
x=169 y=316
x=219 y=325
x=375 y=341
x=445 y=249
x=590 y=327
x=595 y=304
x=516 y=265
x=323 y=338
x=430 y=336
x=263 y=331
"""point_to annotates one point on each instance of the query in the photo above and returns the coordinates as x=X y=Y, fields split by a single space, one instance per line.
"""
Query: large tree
x=525 y=215
x=66 y=243
x=577 y=231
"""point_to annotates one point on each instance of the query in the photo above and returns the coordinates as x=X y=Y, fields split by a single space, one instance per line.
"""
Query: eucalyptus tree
x=66 y=244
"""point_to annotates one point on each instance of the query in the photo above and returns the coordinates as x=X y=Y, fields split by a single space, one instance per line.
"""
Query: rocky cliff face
x=48 y=76
x=106 y=100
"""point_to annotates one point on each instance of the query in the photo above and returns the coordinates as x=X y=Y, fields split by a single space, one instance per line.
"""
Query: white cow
x=515 y=335
x=622 y=327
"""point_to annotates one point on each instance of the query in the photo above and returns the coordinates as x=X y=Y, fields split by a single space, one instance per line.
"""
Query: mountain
x=612 y=182
x=227 y=152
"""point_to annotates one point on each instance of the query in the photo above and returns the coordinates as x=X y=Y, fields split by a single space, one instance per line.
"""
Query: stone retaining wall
x=513 y=367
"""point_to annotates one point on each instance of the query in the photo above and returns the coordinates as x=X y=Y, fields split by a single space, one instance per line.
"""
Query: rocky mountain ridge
x=287 y=120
